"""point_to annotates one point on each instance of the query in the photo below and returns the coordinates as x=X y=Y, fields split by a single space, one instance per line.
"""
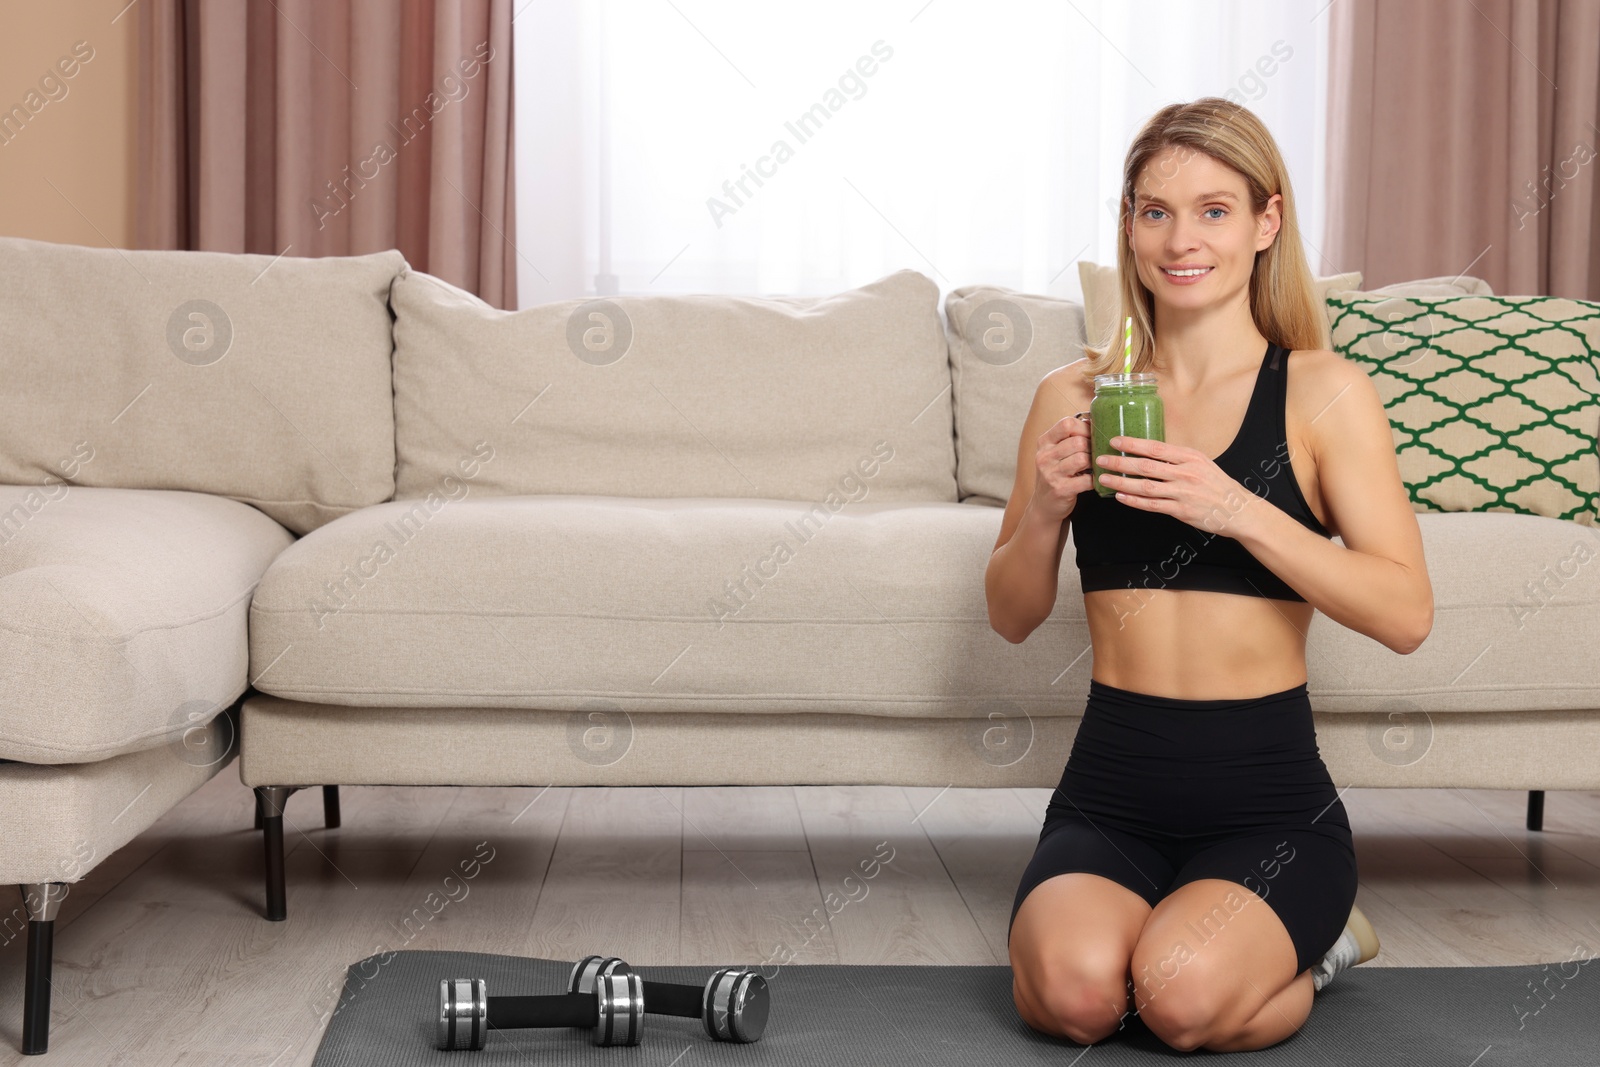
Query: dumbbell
x=588 y=970
x=733 y=1006
x=470 y=1010
x=728 y=1007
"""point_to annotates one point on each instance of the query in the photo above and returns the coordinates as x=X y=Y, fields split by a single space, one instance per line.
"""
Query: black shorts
x=1159 y=792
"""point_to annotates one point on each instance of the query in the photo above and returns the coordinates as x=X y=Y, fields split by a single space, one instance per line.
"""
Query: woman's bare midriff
x=1194 y=644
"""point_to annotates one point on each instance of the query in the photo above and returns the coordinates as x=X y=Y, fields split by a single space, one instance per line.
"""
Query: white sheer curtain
x=805 y=148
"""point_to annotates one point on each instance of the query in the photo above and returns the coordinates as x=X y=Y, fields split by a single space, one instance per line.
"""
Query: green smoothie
x=1124 y=405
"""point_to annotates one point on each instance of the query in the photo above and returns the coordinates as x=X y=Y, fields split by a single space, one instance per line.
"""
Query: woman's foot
x=1358 y=943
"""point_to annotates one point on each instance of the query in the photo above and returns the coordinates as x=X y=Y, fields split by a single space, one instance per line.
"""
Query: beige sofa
x=646 y=540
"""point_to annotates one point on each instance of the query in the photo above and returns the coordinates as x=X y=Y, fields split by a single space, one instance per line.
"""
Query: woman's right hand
x=1062 y=468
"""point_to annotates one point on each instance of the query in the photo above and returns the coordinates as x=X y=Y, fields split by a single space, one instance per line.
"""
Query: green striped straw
x=1127 y=345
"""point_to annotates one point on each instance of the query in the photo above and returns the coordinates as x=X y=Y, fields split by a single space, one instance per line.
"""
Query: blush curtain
x=1462 y=138
x=318 y=128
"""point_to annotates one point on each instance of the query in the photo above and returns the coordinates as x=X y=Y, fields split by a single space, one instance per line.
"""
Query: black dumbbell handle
x=528 y=1013
x=667 y=998
x=580 y=1009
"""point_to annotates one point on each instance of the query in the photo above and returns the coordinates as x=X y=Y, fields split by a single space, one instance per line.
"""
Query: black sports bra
x=1120 y=547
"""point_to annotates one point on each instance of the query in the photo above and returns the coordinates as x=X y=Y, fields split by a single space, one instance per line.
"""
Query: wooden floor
x=162 y=956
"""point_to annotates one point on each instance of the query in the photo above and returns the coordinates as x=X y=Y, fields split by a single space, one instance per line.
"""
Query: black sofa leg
x=42 y=901
x=1536 y=809
x=330 y=806
x=272 y=799
x=260 y=813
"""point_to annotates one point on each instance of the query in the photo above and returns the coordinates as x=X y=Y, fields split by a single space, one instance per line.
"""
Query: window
x=714 y=146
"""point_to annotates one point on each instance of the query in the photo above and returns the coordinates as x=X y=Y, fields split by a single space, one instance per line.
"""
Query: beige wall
x=81 y=139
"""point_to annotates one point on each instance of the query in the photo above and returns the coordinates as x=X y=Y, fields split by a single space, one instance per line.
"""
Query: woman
x=1196 y=853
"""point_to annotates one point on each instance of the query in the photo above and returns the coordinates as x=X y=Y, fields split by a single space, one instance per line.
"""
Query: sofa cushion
x=1002 y=343
x=675 y=396
x=63 y=821
x=266 y=380
x=1516 y=624
x=706 y=605
x=1494 y=401
x=544 y=602
x=122 y=616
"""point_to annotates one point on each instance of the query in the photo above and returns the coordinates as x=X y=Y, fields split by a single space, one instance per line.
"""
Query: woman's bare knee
x=1085 y=1010
x=1078 y=991
x=1071 y=946
x=1179 y=1017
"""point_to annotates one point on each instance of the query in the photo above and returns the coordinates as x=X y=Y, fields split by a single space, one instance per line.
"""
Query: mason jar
x=1124 y=405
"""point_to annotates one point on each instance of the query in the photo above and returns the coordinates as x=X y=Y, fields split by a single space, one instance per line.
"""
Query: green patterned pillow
x=1494 y=400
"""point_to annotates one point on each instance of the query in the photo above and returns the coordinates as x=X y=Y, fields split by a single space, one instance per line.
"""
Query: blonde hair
x=1282 y=300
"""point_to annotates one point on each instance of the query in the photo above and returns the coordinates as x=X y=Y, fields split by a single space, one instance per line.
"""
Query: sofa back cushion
x=833 y=398
x=1494 y=401
x=1002 y=343
x=258 y=378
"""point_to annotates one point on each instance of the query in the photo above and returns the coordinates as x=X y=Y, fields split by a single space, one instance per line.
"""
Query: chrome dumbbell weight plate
x=619 y=998
x=463 y=1014
x=586 y=970
x=736 y=1006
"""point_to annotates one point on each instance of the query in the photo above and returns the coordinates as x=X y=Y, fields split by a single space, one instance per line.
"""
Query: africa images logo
x=802 y=128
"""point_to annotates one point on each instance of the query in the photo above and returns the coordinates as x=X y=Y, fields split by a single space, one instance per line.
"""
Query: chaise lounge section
x=169 y=422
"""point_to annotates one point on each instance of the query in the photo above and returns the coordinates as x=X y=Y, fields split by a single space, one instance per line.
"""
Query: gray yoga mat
x=843 y=1016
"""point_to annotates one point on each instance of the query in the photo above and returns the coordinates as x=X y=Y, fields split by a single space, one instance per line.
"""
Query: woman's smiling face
x=1193 y=213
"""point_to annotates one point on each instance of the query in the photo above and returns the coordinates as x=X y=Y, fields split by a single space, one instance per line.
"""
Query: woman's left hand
x=1177 y=481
